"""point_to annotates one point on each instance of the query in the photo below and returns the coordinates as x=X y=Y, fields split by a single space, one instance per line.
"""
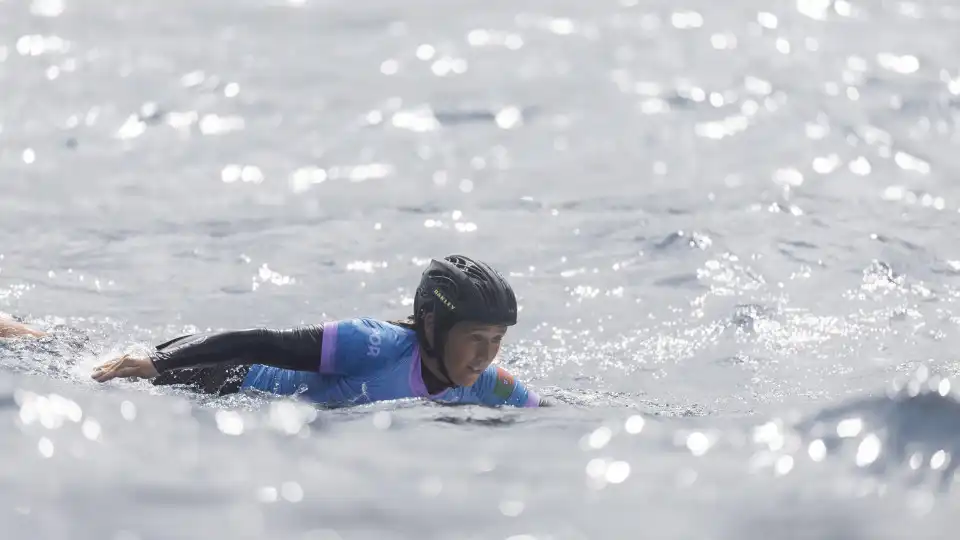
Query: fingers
x=125 y=367
x=120 y=367
x=122 y=373
x=105 y=374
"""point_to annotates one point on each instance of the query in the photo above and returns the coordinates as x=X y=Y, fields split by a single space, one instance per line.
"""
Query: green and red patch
x=505 y=384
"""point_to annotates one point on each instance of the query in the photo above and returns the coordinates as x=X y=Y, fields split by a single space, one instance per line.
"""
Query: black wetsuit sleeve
x=296 y=348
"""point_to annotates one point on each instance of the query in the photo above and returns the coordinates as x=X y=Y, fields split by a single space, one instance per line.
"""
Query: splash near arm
x=10 y=329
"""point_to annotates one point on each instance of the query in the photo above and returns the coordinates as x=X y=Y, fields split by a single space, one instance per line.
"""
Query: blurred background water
x=731 y=226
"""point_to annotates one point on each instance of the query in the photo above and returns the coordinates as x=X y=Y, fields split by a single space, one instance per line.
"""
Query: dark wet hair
x=409 y=323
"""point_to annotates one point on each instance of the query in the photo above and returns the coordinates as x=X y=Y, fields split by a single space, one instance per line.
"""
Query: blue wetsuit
x=365 y=360
x=352 y=361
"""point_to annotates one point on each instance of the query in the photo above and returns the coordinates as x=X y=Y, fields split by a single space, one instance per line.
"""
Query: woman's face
x=470 y=349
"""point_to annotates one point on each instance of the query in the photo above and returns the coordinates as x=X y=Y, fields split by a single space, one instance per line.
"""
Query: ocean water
x=731 y=226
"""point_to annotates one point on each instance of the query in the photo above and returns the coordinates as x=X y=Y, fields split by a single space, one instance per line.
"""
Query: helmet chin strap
x=439 y=345
x=441 y=342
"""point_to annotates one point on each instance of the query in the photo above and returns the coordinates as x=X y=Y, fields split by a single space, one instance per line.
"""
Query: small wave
x=914 y=429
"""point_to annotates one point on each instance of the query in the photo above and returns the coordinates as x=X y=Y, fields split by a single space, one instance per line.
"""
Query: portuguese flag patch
x=505 y=384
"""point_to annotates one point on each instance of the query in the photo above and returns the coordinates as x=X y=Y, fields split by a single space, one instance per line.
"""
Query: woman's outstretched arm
x=297 y=349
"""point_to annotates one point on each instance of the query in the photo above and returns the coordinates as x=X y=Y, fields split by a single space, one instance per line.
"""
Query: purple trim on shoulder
x=416 y=380
x=533 y=400
x=417 y=386
x=328 y=349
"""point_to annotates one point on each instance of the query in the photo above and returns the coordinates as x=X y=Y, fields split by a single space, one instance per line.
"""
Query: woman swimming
x=443 y=352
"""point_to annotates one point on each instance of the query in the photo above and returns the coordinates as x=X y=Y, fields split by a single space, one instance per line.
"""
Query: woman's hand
x=126 y=367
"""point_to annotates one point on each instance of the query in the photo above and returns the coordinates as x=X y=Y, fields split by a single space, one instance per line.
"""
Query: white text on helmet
x=443 y=299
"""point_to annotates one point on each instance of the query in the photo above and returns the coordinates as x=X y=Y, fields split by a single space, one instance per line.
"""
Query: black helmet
x=456 y=289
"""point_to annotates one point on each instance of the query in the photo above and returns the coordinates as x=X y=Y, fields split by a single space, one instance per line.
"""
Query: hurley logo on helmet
x=449 y=304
